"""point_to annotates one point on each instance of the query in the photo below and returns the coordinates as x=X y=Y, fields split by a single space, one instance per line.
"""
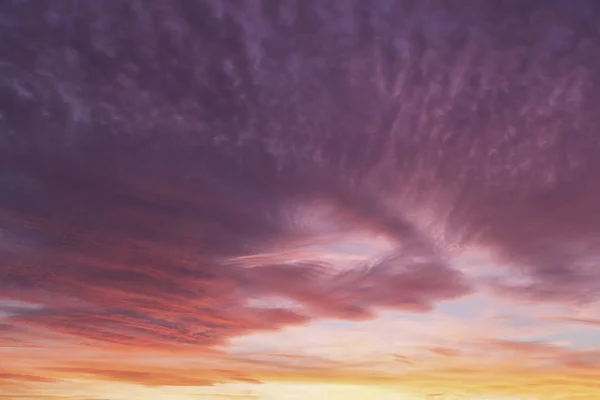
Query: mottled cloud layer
x=168 y=168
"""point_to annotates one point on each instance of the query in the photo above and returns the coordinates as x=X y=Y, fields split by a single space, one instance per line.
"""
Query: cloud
x=531 y=348
x=111 y=261
x=8 y=378
x=444 y=351
x=143 y=378
x=394 y=282
x=189 y=174
x=590 y=322
x=141 y=167
x=153 y=378
x=136 y=271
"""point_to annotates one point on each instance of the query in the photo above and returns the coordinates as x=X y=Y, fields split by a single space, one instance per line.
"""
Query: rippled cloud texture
x=299 y=199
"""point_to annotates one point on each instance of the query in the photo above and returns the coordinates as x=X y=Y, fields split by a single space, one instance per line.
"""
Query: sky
x=273 y=200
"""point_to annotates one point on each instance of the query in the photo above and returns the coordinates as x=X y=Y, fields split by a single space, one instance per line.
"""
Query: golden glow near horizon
x=479 y=347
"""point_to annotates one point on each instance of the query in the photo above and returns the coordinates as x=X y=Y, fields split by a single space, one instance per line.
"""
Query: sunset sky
x=311 y=199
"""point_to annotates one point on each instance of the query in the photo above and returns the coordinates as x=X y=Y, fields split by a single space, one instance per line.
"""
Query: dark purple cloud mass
x=144 y=145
